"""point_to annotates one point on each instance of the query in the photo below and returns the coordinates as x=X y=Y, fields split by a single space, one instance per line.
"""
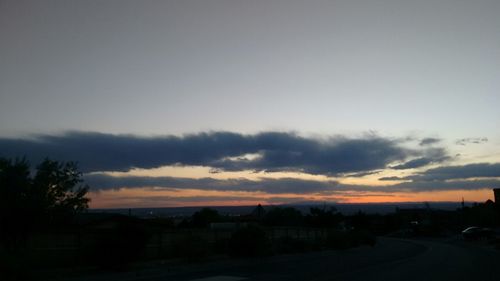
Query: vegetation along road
x=390 y=259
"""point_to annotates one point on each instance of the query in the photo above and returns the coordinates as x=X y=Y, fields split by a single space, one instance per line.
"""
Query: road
x=390 y=259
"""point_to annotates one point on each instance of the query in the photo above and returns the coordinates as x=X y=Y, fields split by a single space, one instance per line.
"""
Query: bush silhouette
x=35 y=202
x=322 y=217
x=364 y=237
x=287 y=245
x=117 y=247
x=191 y=247
x=51 y=197
x=17 y=265
x=204 y=217
x=283 y=216
x=341 y=240
x=250 y=241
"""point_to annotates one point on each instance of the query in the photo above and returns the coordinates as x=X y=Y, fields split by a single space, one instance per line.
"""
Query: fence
x=66 y=248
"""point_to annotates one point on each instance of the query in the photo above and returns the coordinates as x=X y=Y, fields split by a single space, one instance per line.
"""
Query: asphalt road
x=390 y=259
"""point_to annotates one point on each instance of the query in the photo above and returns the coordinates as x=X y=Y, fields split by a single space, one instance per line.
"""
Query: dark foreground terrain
x=390 y=259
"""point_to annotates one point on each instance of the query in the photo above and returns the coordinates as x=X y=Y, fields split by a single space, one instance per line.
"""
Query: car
x=475 y=232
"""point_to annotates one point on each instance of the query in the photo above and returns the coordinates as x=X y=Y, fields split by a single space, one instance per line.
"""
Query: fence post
x=160 y=244
x=79 y=246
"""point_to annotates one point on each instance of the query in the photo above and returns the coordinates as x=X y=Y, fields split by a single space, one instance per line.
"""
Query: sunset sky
x=237 y=102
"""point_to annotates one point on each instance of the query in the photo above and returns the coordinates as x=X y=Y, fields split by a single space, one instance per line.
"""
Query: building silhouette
x=496 y=192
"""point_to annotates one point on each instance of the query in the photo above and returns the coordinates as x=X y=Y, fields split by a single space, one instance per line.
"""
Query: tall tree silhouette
x=47 y=196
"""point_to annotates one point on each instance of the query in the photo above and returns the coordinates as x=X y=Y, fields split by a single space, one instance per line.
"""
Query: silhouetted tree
x=121 y=244
x=57 y=187
x=322 y=217
x=51 y=196
x=250 y=241
x=286 y=216
x=15 y=203
x=204 y=217
x=360 y=220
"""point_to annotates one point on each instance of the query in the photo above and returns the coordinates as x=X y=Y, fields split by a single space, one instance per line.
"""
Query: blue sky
x=319 y=70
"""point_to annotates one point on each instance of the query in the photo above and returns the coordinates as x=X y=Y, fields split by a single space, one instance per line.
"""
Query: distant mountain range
x=347 y=209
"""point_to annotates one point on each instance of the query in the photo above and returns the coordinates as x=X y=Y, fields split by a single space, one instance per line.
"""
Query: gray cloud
x=337 y=156
x=160 y=200
x=415 y=163
x=478 y=170
x=466 y=141
x=445 y=185
x=192 y=199
x=286 y=185
x=278 y=151
x=432 y=156
x=429 y=141
x=393 y=178
x=438 y=185
x=267 y=185
x=416 y=186
x=452 y=176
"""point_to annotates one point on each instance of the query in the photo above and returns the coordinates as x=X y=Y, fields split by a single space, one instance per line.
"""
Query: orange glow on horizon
x=149 y=197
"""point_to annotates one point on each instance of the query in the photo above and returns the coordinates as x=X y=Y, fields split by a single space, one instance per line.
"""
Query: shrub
x=119 y=246
x=286 y=245
x=204 y=217
x=191 y=247
x=283 y=216
x=249 y=242
x=16 y=265
x=340 y=240
x=364 y=237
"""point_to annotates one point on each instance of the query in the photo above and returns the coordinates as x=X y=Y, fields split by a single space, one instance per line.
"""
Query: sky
x=215 y=102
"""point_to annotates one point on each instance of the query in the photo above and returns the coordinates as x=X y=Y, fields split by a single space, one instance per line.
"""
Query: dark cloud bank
x=478 y=170
x=277 y=151
x=280 y=186
x=266 y=185
x=432 y=155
